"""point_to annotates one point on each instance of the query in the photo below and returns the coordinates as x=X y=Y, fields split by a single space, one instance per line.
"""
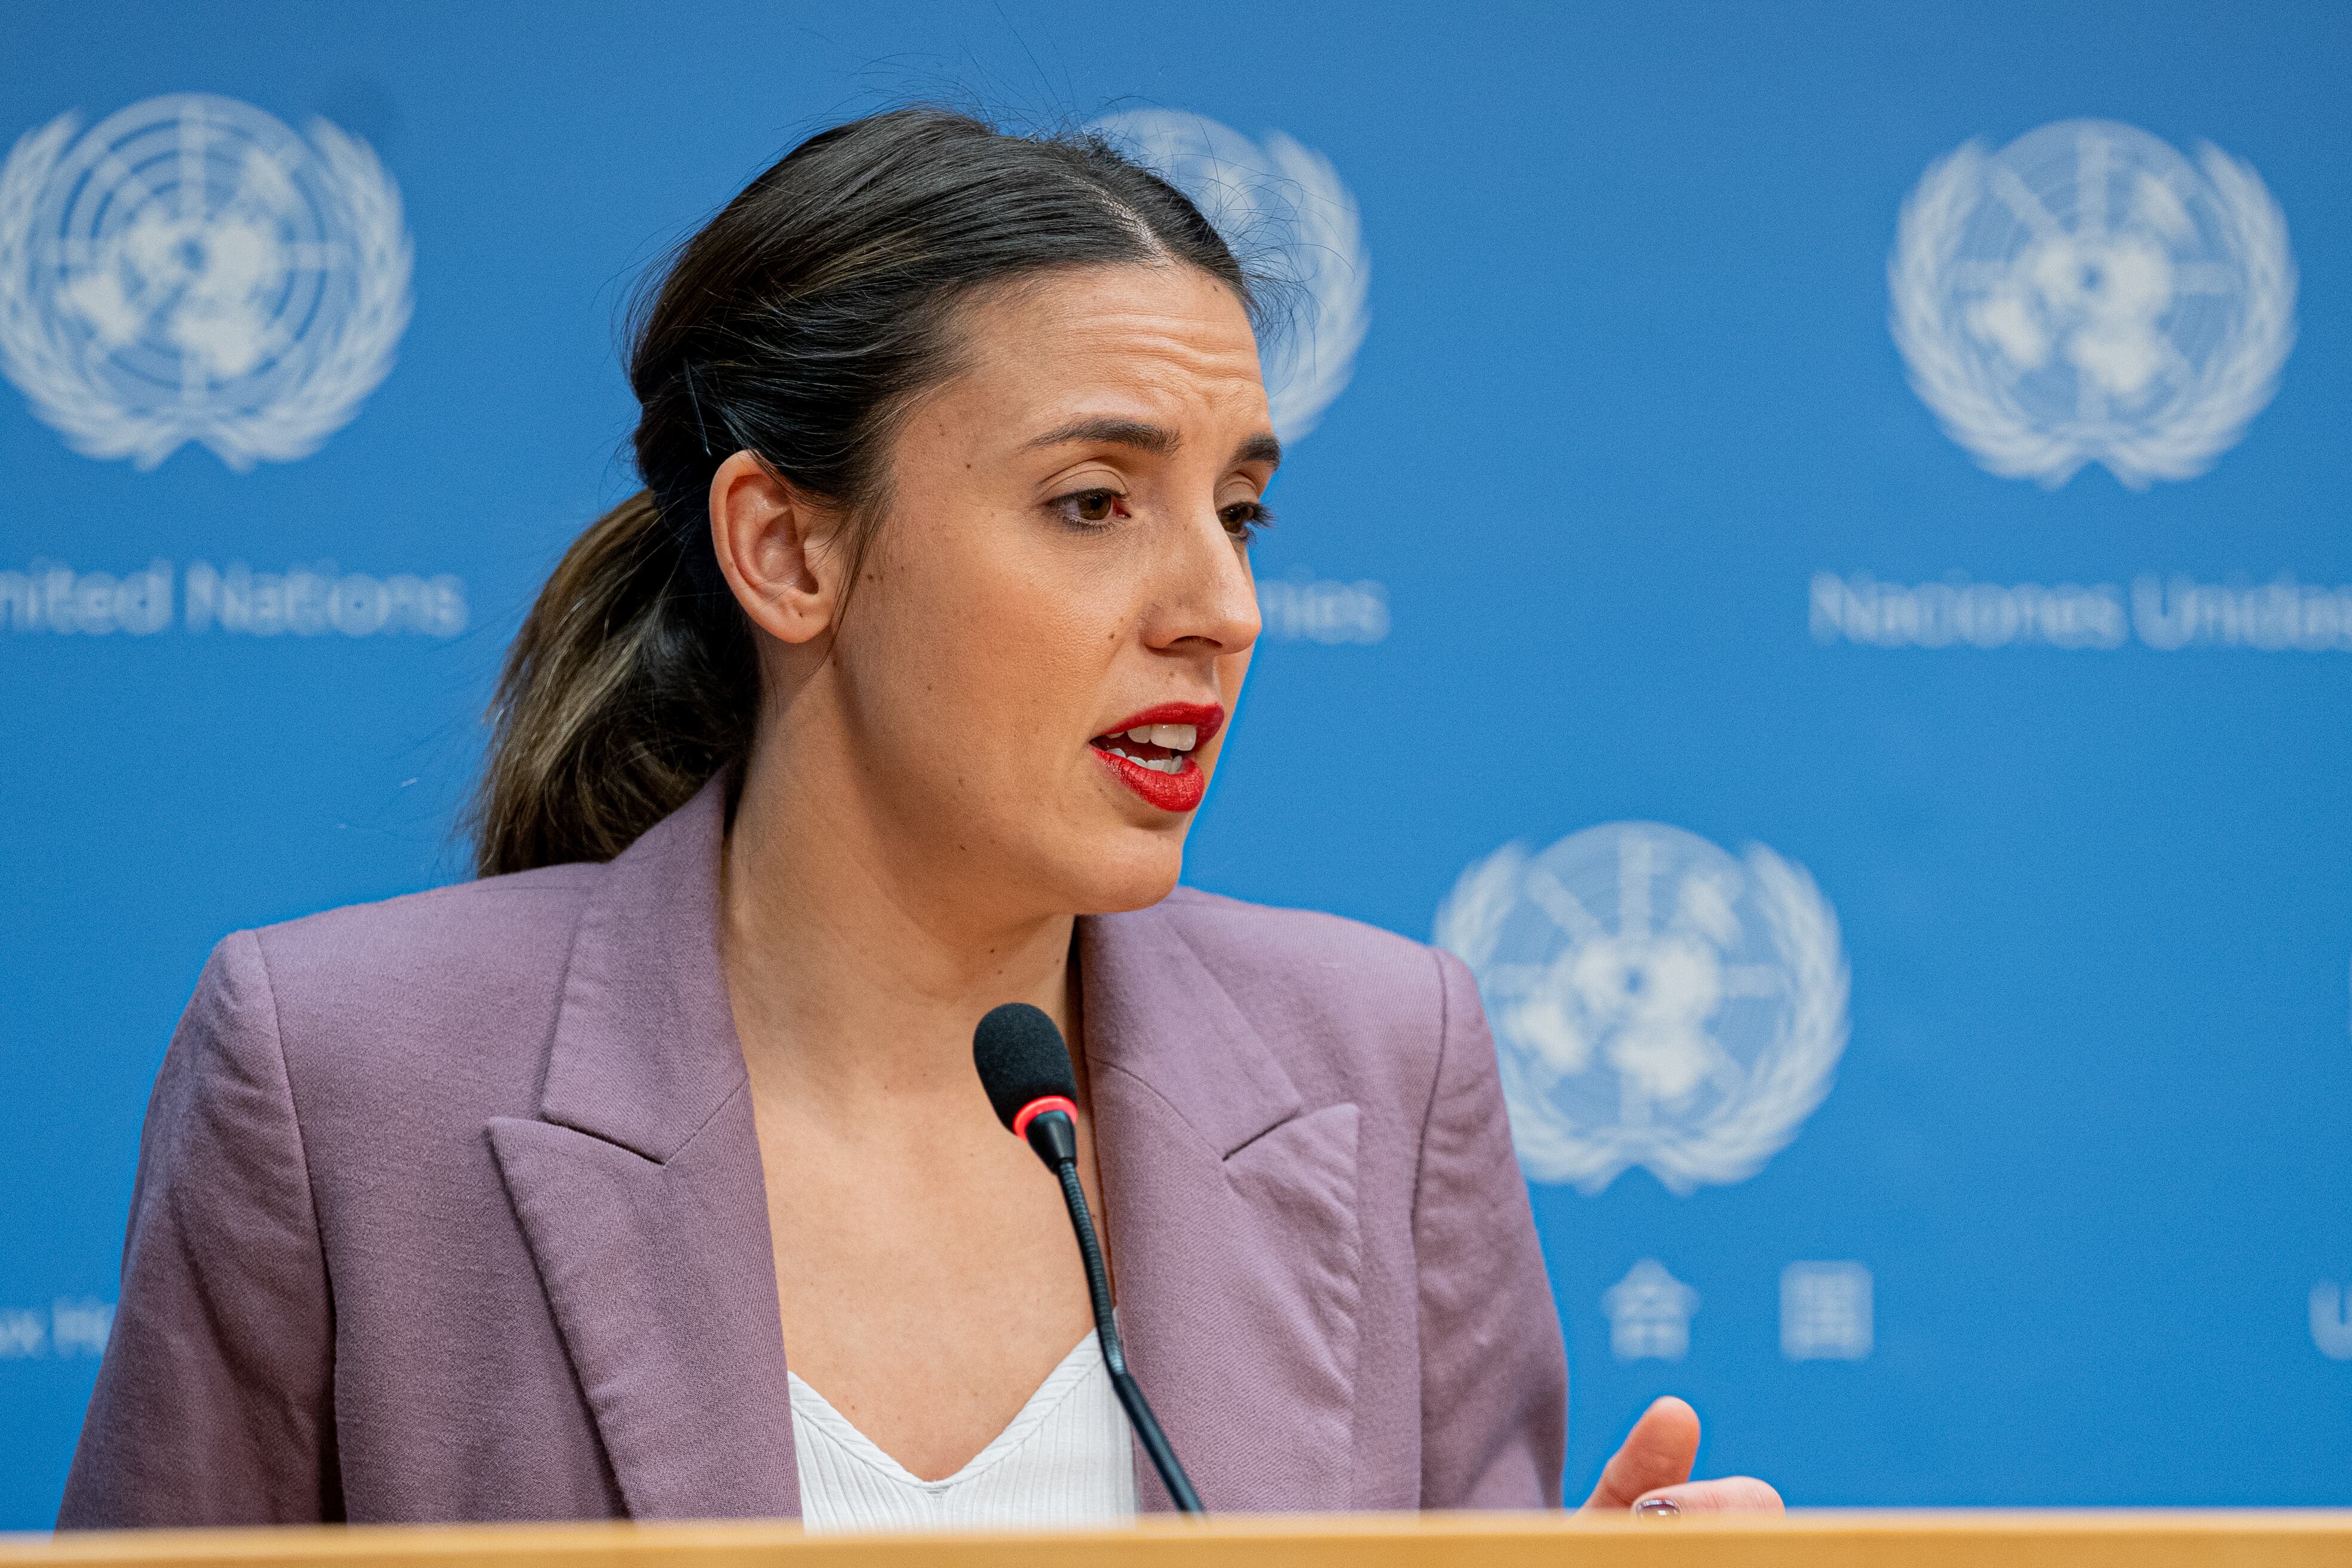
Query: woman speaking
x=648 y=1173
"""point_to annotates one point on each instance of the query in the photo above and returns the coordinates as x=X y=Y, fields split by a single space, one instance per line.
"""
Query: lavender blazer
x=451 y=1208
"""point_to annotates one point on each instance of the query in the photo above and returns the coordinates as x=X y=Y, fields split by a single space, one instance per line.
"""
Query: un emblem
x=1287 y=216
x=2086 y=294
x=1655 y=1002
x=190 y=270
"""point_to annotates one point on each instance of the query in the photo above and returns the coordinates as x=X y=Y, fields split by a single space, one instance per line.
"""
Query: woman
x=889 y=699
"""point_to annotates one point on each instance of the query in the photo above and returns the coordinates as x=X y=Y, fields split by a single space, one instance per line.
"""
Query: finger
x=1658 y=1453
x=1732 y=1494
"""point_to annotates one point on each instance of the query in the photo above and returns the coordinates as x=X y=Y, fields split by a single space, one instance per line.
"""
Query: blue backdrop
x=1857 y=495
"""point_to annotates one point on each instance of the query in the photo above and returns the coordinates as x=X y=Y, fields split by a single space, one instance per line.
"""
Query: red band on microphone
x=1038 y=1107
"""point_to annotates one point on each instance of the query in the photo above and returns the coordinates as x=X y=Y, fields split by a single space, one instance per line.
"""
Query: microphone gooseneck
x=1025 y=1068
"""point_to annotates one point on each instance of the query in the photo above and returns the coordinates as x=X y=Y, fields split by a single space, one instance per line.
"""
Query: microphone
x=1025 y=1068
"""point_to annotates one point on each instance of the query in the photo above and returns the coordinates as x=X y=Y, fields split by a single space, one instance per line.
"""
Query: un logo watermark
x=2086 y=294
x=1656 y=1002
x=190 y=270
x=1287 y=214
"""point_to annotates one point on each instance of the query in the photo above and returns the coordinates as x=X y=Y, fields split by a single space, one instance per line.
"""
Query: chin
x=1135 y=875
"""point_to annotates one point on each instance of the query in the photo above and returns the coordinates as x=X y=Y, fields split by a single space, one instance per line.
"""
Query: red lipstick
x=1172 y=792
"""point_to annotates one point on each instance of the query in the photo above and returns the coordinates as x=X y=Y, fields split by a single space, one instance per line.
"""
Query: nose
x=1206 y=601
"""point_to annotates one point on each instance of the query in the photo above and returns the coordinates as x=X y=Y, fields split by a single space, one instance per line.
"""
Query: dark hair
x=798 y=324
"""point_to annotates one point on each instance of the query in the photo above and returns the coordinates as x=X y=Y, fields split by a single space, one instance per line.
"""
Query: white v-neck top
x=1066 y=1459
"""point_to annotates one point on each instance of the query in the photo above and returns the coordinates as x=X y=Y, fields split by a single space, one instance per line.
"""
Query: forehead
x=1171 y=341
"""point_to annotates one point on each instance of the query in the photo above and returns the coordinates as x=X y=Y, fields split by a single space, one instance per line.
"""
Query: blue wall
x=2026 y=913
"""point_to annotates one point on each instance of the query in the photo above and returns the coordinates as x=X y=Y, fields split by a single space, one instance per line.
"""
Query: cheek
x=984 y=656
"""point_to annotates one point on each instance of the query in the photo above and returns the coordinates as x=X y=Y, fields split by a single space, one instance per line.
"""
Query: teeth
x=1157 y=765
x=1175 y=737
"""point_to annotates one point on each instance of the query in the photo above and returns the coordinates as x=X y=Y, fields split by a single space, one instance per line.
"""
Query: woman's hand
x=1654 y=1469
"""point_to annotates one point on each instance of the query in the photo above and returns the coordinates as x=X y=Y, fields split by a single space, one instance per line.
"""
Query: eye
x=1091 y=509
x=1246 y=520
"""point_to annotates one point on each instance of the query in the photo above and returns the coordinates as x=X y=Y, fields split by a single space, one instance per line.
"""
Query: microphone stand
x=1053 y=1135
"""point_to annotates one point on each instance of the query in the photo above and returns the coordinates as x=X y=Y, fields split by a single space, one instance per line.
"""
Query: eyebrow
x=1156 y=439
x=1261 y=448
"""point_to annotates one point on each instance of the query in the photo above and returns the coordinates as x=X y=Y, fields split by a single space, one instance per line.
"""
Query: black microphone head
x=1021 y=1059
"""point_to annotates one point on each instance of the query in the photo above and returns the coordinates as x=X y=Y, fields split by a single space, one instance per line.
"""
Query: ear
x=774 y=545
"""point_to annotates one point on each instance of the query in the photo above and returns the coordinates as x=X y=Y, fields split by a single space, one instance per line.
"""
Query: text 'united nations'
x=300 y=602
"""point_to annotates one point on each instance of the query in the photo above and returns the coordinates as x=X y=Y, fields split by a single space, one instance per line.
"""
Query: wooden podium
x=1818 y=1540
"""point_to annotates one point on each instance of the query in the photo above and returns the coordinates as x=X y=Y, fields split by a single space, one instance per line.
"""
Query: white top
x=1066 y=1459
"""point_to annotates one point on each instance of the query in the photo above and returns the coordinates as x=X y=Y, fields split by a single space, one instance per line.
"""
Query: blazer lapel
x=640 y=1193
x=1233 y=1227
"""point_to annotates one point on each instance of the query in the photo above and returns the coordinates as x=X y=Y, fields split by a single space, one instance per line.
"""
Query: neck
x=856 y=971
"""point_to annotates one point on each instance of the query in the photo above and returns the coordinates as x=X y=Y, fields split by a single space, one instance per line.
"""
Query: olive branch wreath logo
x=1787 y=1081
x=345 y=359
x=1988 y=418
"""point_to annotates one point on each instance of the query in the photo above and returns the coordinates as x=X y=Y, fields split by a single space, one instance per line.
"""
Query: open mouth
x=1160 y=747
x=1151 y=753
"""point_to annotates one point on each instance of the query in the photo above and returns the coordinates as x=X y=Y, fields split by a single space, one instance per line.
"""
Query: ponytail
x=625 y=690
